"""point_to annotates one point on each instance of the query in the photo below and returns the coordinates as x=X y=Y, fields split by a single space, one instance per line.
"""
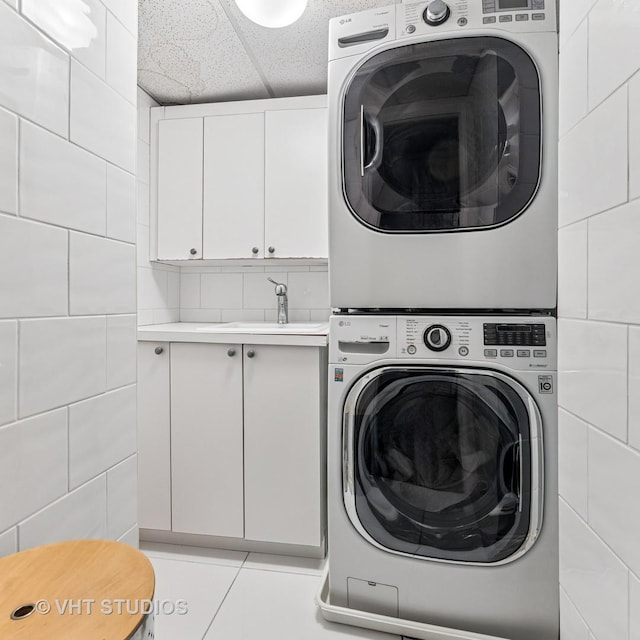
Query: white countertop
x=311 y=334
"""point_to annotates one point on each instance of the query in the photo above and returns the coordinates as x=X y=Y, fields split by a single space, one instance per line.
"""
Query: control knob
x=436 y=13
x=437 y=337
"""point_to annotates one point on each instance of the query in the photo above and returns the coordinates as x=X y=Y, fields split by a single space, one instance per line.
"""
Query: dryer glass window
x=442 y=464
x=442 y=136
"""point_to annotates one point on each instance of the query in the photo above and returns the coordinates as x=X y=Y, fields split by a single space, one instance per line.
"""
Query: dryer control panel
x=434 y=16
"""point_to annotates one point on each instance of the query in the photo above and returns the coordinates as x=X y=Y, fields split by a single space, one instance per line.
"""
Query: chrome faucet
x=283 y=301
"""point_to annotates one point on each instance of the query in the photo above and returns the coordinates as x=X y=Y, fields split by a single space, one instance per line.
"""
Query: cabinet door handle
x=231 y=353
x=158 y=350
x=255 y=250
x=272 y=250
x=251 y=353
x=193 y=252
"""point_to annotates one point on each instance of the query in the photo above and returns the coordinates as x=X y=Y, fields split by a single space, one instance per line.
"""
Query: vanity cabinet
x=242 y=453
x=241 y=181
x=206 y=439
x=154 y=436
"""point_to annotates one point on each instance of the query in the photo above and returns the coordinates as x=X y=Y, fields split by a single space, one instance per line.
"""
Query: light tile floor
x=238 y=596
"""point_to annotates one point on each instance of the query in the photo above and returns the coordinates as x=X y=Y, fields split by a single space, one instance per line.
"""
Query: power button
x=411 y=349
x=463 y=351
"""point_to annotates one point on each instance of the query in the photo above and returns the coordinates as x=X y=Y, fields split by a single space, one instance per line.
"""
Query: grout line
x=220 y=605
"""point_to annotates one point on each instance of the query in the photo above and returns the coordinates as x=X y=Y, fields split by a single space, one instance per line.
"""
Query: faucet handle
x=281 y=287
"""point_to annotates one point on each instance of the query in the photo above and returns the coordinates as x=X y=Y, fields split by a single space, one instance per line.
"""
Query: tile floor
x=239 y=596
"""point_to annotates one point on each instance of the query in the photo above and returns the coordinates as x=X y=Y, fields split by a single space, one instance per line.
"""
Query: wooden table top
x=79 y=581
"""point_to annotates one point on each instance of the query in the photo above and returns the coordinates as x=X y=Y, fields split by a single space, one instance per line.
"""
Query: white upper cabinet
x=296 y=183
x=241 y=180
x=233 y=225
x=179 y=182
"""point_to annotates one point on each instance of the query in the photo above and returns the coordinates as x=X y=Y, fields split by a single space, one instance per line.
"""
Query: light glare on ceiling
x=274 y=13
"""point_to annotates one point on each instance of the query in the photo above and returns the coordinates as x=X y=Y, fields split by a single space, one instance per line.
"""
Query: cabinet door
x=180 y=189
x=206 y=439
x=296 y=209
x=234 y=186
x=282 y=424
x=154 y=456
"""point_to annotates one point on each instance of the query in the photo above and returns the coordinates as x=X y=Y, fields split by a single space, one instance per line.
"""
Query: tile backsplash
x=227 y=294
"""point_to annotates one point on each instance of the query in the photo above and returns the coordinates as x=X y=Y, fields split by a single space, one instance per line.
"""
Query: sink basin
x=295 y=328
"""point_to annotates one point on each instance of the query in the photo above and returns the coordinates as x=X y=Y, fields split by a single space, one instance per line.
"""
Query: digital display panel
x=513 y=4
x=514 y=327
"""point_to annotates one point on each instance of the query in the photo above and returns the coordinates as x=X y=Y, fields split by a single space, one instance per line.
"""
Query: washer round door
x=443 y=464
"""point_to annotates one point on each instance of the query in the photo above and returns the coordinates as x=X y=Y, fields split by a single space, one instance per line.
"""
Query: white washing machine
x=442 y=471
x=443 y=156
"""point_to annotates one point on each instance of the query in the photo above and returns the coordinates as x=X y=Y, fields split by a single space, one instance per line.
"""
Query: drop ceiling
x=207 y=51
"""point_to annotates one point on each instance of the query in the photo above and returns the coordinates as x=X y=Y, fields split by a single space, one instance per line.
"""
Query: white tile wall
x=8 y=162
x=61 y=183
x=102 y=275
x=614 y=487
x=599 y=348
x=227 y=294
x=634 y=138
x=572 y=626
x=33 y=269
x=589 y=160
x=79 y=27
x=634 y=607
x=8 y=542
x=121 y=204
x=80 y=514
x=33 y=465
x=61 y=361
x=102 y=121
x=572 y=271
x=634 y=387
x=593 y=577
x=614 y=46
x=158 y=285
x=121 y=75
x=614 y=264
x=573 y=461
x=573 y=80
x=8 y=370
x=61 y=193
x=34 y=74
x=121 y=503
x=121 y=351
x=592 y=357
x=102 y=433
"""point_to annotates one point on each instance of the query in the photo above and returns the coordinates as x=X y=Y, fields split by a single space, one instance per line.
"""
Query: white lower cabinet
x=282 y=450
x=154 y=436
x=206 y=439
x=239 y=451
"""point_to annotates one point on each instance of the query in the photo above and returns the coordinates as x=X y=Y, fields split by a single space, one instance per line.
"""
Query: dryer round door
x=444 y=464
x=442 y=136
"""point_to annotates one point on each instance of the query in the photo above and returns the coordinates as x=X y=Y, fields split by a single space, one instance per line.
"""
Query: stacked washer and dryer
x=442 y=448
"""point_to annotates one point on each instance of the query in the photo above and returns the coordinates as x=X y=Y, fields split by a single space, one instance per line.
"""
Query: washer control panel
x=519 y=343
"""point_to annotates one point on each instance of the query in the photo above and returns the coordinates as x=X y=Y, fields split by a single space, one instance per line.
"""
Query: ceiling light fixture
x=274 y=13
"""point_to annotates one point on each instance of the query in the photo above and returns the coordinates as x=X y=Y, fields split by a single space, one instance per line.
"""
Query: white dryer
x=443 y=156
x=442 y=472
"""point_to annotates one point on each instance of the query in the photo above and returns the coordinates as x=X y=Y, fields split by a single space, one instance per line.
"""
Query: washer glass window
x=442 y=136
x=441 y=464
